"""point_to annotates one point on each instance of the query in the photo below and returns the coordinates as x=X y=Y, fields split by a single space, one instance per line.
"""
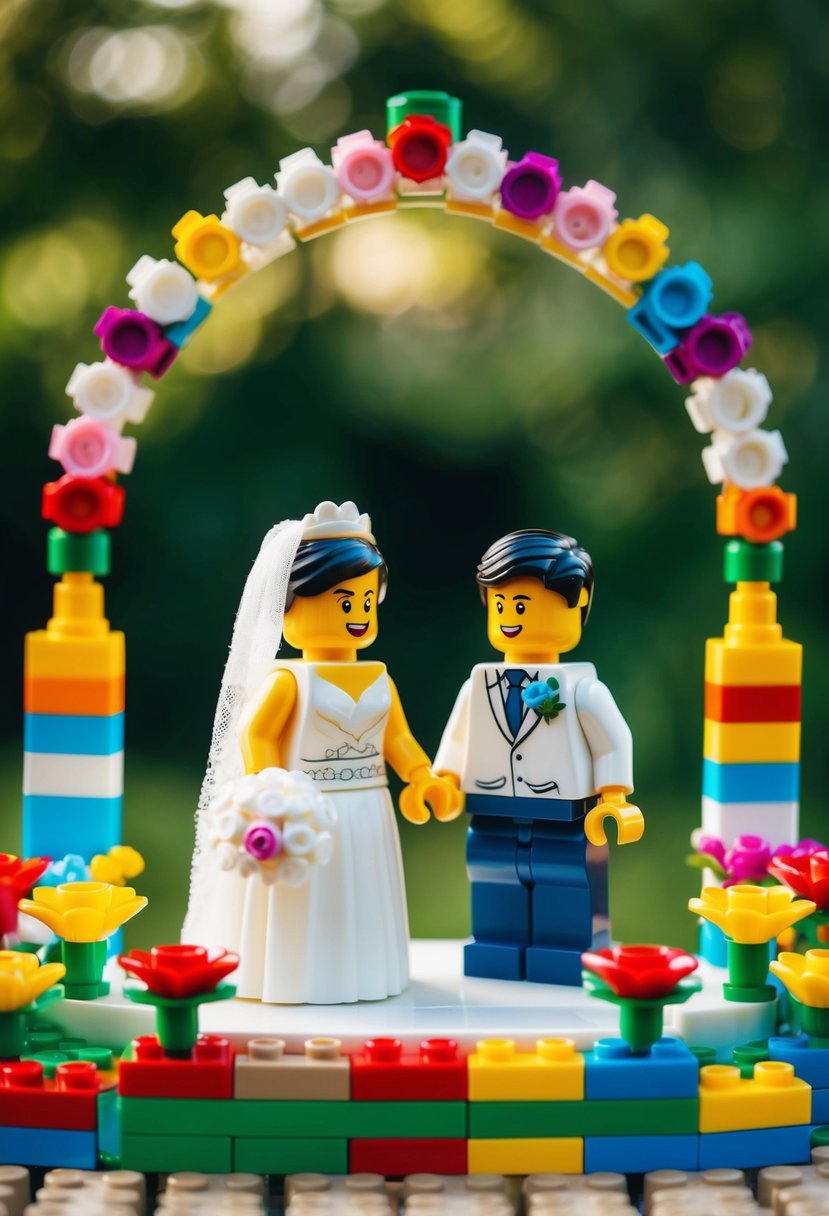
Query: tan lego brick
x=264 y=1072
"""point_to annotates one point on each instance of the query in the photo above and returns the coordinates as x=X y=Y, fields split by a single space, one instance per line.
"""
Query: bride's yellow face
x=343 y=618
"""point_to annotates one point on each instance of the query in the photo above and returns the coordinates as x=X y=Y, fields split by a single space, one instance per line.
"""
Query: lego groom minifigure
x=543 y=755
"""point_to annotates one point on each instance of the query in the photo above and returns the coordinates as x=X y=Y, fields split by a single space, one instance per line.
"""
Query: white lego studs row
x=731 y=410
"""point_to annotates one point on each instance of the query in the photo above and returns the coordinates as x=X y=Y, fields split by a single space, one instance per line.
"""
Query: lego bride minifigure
x=342 y=935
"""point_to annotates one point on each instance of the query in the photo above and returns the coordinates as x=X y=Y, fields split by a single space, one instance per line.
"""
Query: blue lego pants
x=539 y=896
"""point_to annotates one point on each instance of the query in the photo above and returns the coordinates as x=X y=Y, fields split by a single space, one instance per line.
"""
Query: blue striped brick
x=54 y=826
x=750 y=782
x=73 y=734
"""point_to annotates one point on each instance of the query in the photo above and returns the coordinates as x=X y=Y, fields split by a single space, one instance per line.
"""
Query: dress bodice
x=332 y=737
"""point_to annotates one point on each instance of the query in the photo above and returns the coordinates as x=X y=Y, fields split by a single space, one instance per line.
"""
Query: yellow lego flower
x=83 y=911
x=751 y=915
x=23 y=980
x=806 y=976
x=116 y=866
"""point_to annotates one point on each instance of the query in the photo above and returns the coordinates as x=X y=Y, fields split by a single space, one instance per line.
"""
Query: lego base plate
x=439 y=1002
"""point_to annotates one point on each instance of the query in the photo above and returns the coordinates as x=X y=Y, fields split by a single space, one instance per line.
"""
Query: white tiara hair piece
x=330 y=520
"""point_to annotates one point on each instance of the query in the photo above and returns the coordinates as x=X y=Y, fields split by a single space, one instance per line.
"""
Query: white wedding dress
x=343 y=936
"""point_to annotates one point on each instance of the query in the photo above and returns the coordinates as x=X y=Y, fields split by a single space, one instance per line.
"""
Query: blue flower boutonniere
x=543 y=697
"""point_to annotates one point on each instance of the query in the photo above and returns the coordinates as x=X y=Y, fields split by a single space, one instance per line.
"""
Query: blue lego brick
x=755 y=1149
x=48 y=1147
x=181 y=331
x=712 y=945
x=73 y=734
x=672 y=302
x=750 y=782
x=820 y=1105
x=670 y=1070
x=639 y=1154
x=811 y=1064
x=54 y=826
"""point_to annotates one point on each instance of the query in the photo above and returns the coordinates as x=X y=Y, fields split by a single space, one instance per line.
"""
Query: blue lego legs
x=569 y=902
x=497 y=855
x=539 y=898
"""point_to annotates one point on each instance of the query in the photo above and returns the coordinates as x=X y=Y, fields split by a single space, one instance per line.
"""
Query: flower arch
x=75 y=668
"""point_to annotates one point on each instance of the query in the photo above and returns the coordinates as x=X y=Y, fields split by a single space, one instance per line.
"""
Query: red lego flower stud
x=641 y=980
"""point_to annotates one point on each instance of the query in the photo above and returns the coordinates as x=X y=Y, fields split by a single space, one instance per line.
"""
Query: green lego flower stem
x=177 y=1027
x=640 y=1024
x=814 y=1022
x=748 y=965
x=12 y=1034
x=84 y=963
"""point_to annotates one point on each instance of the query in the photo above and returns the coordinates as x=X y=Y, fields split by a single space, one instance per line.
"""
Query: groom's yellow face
x=344 y=618
x=524 y=619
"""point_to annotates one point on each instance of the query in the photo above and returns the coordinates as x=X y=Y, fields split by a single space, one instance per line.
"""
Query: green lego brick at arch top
x=438 y=105
x=745 y=562
x=294 y=1119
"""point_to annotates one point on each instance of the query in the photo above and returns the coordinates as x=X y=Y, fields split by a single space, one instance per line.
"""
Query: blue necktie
x=513 y=705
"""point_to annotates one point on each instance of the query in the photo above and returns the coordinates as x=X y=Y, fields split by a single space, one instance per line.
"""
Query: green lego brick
x=749 y=563
x=294 y=1119
x=441 y=106
x=257 y=1155
x=67 y=553
x=819 y=1137
x=705 y=1055
x=170 y=1154
x=533 y=1120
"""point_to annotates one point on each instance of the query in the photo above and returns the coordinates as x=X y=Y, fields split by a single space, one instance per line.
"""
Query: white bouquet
x=274 y=824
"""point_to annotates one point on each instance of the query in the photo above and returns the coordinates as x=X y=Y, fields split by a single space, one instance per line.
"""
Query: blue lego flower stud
x=543 y=697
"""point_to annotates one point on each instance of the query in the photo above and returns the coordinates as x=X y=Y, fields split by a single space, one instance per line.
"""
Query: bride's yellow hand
x=426 y=790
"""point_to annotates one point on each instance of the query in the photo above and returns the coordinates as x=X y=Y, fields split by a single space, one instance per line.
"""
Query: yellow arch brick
x=751 y=742
x=774 y=1097
x=59 y=656
x=528 y=1156
x=554 y=1072
x=775 y=663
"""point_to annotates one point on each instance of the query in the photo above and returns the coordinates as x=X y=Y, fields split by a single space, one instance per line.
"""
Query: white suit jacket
x=587 y=746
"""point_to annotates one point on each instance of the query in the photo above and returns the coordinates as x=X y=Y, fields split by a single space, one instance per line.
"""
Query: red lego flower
x=642 y=973
x=17 y=877
x=806 y=875
x=179 y=972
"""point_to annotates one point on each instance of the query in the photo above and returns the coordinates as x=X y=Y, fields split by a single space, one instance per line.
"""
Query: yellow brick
x=541 y=1156
x=569 y=256
x=553 y=1072
x=62 y=656
x=319 y=228
x=476 y=211
x=751 y=742
x=622 y=293
x=774 y=1097
x=523 y=228
x=776 y=663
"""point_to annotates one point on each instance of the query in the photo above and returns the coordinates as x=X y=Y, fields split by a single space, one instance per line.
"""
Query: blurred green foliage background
x=454 y=381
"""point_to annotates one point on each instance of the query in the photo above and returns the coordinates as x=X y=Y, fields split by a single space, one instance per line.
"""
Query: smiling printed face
x=528 y=623
x=344 y=618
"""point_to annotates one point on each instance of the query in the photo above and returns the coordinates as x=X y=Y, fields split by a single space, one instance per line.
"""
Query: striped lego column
x=751 y=750
x=74 y=711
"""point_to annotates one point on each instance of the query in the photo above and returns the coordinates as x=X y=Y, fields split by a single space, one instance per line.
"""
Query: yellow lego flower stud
x=751 y=915
x=83 y=911
x=806 y=976
x=25 y=987
x=23 y=980
x=84 y=915
x=116 y=866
